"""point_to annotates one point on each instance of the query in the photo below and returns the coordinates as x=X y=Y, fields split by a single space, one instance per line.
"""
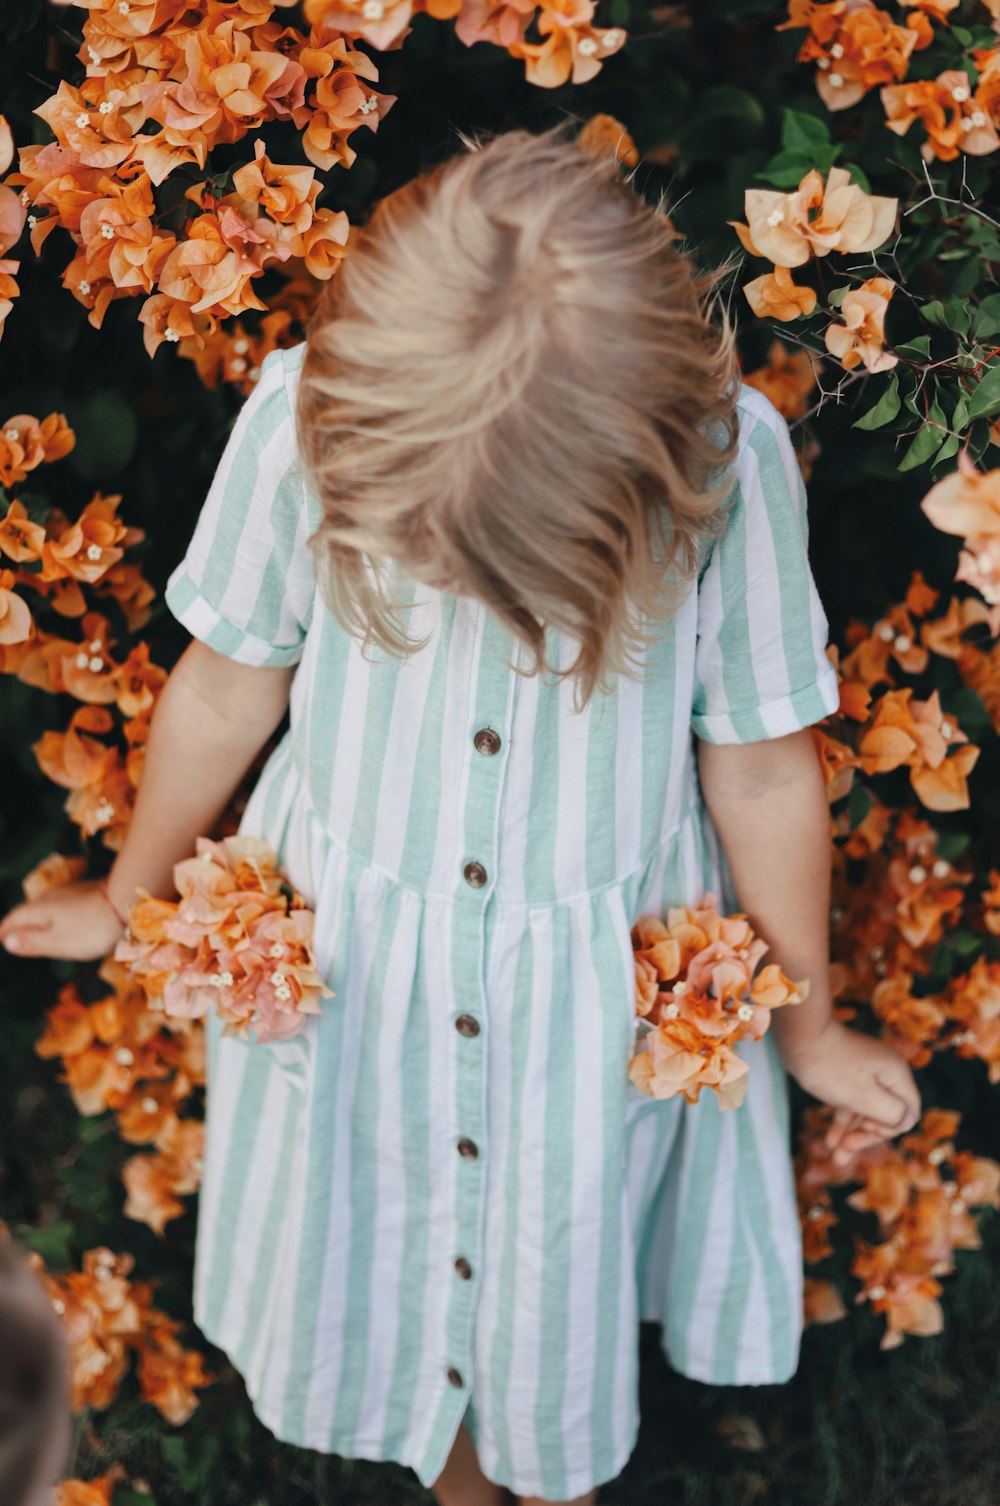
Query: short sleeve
x=246 y=584
x=761 y=668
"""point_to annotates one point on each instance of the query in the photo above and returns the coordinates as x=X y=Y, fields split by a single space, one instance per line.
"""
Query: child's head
x=35 y=1417
x=514 y=389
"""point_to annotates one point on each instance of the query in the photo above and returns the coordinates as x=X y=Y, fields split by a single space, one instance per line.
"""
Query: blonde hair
x=515 y=378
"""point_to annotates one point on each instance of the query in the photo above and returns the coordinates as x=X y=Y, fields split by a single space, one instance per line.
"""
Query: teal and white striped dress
x=446 y=1201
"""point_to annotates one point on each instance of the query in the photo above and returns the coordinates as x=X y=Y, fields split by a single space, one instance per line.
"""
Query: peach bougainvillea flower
x=815 y=219
x=787 y=379
x=697 y=997
x=776 y=296
x=968 y=503
x=861 y=337
x=234 y=942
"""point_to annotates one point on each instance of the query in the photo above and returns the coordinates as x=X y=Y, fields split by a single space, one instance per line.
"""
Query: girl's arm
x=211 y=719
x=768 y=803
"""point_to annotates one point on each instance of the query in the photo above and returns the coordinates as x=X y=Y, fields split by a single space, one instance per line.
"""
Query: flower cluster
x=109 y=1320
x=857 y=47
x=697 y=995
x=812 y=221
x=920 y=1190
x=239 y=941
x=167 y=83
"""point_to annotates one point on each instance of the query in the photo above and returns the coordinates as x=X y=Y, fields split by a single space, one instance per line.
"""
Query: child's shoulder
x=761 y=423
x=280 y=371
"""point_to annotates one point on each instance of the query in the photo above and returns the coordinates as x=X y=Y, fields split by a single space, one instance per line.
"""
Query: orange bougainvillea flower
x=855 y=46
x=573 y=49
x=953 y=117
x=607 y=137
x=776 y=296
x=973 y=1003
x=16 y=622
x=814 y=219
x=917 y=734
x=25 y=443
x=861 y=337
x=788 y=378
x=52 y=872
x=822 y=1302
x=12 y=217
x=96 y=1492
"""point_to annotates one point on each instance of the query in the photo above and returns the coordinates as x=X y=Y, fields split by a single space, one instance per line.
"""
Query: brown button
x=463 y=1268
x=468 y=1148
x=455 y=1376
x=475 y=874
x=467 y=1024
x=487 y=741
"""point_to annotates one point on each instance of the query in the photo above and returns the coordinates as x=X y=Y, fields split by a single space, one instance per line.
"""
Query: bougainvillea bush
x=178 y=178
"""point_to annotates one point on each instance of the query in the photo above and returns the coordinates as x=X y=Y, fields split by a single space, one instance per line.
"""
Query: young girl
x=429 y=1226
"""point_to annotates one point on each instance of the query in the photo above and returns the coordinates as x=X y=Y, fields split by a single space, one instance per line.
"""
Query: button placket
x=487 y=762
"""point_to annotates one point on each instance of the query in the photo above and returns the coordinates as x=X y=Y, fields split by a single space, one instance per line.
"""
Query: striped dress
x=445 y=1202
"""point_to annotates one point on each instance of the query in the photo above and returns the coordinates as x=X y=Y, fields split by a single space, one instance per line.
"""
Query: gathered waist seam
x=369 y=865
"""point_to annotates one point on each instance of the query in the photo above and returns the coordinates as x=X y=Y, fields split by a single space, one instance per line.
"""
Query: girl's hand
x=865 y=1079
x=72 y=921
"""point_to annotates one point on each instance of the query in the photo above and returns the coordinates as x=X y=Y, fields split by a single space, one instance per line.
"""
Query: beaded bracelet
x=103 y=887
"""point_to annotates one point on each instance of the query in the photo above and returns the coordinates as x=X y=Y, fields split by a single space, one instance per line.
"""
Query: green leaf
x=986 y=318
x=985 y=401
x=916 y=350
x=928 y=441
x=787 y=169
x=969 y=710
x=951 y=844
x=859 y=803
x=885 y=409
x=960 y=417
x=955 y=315
x=947 y=450
x=965 y=943
x=801 y=133
x=106 y=435
x=958 y=315
x=858 y=176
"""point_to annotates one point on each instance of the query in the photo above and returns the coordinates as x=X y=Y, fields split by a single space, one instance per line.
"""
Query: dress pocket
x=293 y=1057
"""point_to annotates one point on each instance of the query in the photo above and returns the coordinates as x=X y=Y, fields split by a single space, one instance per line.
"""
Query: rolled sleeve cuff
x=185 y=601
x=790 y=713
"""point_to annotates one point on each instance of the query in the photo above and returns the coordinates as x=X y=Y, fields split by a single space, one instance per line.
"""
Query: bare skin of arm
x=211 y=719
x=768 y=804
